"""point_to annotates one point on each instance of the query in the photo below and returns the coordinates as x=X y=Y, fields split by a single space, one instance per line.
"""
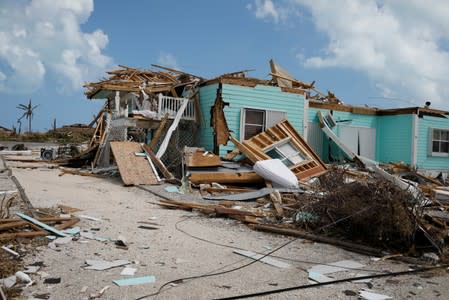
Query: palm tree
x=28 y=113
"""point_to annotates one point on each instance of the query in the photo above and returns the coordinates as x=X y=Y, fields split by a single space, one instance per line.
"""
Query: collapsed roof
x=129 y=79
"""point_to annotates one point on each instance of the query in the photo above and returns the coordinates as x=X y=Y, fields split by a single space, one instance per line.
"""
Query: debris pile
x=374 y=211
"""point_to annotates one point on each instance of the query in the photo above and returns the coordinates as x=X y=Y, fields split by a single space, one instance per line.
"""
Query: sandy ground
x=172 y=252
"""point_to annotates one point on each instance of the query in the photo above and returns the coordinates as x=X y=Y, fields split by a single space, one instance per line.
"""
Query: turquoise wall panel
x=205 y=137
x=394 y=138
x=424 y=160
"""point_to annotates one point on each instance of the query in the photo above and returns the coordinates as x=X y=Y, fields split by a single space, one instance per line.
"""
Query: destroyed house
x=244 y=107
x=417 y=136
x=143 y=106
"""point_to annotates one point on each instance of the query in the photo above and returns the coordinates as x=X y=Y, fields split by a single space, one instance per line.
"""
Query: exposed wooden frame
x=256 y=147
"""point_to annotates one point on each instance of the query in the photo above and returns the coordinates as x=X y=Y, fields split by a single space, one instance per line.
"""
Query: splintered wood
x=134 y=170
x=220 y=125
x=197 y=157
x=256 y=148
x=17 y=228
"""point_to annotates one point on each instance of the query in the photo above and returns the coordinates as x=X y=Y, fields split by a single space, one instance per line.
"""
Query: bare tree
x=28 y=113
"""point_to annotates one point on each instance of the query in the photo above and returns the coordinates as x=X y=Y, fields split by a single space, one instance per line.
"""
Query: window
x=288 y=153
x=254 y=121
x=440 y=141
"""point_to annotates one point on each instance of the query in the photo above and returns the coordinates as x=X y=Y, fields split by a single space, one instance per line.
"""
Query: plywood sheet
x=201 y=158
x=134 y=170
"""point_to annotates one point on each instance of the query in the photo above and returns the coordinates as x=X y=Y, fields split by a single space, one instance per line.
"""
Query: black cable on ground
x=217 y=273
x=421 y=270
x=276 y=256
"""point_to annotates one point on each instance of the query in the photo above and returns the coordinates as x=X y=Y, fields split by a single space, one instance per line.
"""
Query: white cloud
x=269 y=11
x=2 y=76
x=397 y=43
x=41 y=37
x=168 y=60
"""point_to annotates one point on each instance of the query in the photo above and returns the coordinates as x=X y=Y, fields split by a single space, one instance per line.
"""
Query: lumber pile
x=11 y=228
x=136 y=80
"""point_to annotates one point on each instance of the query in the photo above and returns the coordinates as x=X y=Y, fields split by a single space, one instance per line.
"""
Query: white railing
x=171 y=105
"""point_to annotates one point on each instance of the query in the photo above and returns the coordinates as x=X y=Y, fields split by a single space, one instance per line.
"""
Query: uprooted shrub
x=374 y=211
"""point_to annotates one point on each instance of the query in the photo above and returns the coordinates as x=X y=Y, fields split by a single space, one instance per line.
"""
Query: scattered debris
x=90 y=218
x=10 y=251
x=128 y=271
x=135 y=281
x=317 y=277
x=52 y=280
x=369 y=295
x=101 y=265
x=334 y=267
x=99 y=294
x=40 y=224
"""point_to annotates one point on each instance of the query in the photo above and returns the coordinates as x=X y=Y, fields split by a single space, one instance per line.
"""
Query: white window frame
x=267 y=123
x=431 y=140
x=298 y=152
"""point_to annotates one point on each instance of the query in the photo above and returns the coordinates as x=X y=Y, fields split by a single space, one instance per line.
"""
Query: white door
x=361 y=140
x=315 y=137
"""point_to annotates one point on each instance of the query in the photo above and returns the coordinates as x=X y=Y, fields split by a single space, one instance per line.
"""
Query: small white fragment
x=31 y=269
x=10 y=251
x=373 y=296
x=128 y=271
x=90 y=218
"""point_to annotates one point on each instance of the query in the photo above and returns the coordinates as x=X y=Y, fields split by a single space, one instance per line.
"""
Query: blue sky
x=382 y=53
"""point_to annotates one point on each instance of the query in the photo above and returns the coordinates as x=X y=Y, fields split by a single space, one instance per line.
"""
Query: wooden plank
x=43 y=219
x=42 y=225
x=201 y=158
x=219 y=123
x=134 y=170
x=210 y=208
x=249 y=153
x=226 y=178
x=159 y=164
x=319 y=238
x=213 y=190
x=66 y=224
x=277 y=201
x=157 y=134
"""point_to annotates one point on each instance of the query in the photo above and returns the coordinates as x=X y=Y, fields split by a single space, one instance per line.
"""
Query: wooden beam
x=277 y=202
x=321 y=239
x=64 y=225
x=159 y=164
x=226 y=178
x=158 y=132
x=253 y=157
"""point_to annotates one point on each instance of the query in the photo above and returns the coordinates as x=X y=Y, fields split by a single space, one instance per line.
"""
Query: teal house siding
x=329 y=151
x=394 y=138
x=424 y=159
x=258 y=97
x=205 y=137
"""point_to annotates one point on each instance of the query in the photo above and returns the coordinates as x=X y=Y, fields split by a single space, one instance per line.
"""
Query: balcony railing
x=171 y=105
